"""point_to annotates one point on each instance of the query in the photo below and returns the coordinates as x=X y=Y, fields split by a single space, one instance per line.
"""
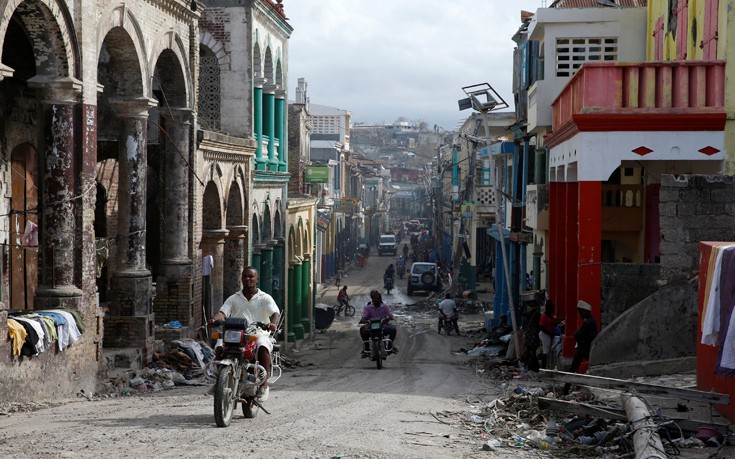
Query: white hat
x=584 y=305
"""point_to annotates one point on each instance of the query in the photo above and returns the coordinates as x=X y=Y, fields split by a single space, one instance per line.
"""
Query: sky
x=385 y=59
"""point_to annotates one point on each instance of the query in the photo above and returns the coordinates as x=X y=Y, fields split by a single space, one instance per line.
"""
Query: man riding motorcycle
x=390 y=272
x=254 y=305
x=376 y=309
x=401 y=266
x=448 y=312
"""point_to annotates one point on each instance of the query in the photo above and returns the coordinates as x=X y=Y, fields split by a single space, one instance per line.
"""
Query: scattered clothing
x=17 y=334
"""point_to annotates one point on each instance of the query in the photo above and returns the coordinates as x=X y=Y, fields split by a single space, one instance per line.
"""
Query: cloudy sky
x=382 y=59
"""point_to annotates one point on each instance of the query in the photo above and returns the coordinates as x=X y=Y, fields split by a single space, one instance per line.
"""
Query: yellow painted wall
x=725 y=29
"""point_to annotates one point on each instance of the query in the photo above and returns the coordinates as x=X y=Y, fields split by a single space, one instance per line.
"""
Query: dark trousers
x=579 y=357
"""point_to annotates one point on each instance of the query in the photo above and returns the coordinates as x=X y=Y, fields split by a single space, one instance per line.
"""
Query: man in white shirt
x=254 y=305
x=448 y=312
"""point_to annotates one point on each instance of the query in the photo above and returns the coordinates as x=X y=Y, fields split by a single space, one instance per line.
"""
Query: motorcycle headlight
x=233 y=336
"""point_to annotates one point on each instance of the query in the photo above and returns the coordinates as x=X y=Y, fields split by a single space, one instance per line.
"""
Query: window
x=209 y=90
x=571 y=53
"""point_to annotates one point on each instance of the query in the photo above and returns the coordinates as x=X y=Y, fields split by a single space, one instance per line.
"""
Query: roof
x=324 y=110
x=597 y=4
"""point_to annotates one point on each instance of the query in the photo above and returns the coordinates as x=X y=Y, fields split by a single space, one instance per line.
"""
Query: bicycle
x=348 y=309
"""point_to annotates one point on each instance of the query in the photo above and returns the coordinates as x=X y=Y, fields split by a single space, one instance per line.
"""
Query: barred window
x=209 y=90
x=571 y=53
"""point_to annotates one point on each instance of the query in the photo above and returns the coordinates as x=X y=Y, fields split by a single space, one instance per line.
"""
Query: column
x=130 y=285
x=58 y=209
x=298 y=326
x=589 y=269
x=291 y=306
x=306 y=310
x=234 y=260
x=213 y=243
x=258 y=83
x=570 y=267
x=266 y=268
x=176 y=262
x=279 y=251
x=281 y=120
x=269 y=108
x=256 y=262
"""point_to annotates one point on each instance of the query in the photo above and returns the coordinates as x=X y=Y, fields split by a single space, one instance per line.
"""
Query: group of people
x=549 y=327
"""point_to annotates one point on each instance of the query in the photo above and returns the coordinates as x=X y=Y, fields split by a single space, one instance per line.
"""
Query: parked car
x=387 y=244
x=425 y=277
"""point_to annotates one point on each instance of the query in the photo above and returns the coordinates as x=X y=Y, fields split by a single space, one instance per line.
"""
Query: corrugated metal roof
x=595 y=4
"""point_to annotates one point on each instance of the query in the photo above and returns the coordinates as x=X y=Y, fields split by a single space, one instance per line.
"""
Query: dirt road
x=334 y=404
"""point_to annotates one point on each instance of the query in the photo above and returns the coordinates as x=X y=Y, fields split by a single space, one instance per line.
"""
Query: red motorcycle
x=239 y=374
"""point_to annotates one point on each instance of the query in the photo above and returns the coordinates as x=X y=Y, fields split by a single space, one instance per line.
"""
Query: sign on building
x=316 y=174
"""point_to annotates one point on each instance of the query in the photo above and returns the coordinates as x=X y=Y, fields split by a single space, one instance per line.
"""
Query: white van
x=387 y=244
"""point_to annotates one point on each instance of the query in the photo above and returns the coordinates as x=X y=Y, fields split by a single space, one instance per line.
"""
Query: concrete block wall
x=693 y=208
x=624 y=285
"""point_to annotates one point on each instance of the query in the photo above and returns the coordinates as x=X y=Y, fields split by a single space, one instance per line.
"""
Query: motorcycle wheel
x=250 y=409
x=224 y=397
x=376 y=355
x=349 y=310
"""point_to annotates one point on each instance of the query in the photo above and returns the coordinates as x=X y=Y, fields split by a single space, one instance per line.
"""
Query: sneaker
x=364 y=354
x=263 y=393
x=394 y=350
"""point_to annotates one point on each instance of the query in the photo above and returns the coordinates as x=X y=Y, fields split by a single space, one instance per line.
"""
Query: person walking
x=584 y=336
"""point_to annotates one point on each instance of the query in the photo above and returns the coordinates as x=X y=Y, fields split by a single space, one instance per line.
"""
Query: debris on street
x=532 y=414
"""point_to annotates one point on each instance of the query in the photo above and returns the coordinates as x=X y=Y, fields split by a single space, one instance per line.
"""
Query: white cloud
x=382 y=59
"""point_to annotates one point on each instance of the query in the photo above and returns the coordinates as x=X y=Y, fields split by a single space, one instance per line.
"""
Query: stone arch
x=121 y=17
x=216 y=47
x=305 y=235
x=308 y=242
x=234 y=255
x=235 y=209
x=268 y=71
x=255 y=229
x=55 y=45
x=257 y=60
x=292 y=243
x=279 y=73
x=170 y=82
x=211 y=208
x=267 y=223
x=277 y=222
x=300 y=238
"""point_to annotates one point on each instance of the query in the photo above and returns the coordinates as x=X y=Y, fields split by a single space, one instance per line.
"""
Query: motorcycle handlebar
x=261 y=325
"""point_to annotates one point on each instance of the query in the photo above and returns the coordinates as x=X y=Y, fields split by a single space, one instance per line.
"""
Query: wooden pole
x=646 y=441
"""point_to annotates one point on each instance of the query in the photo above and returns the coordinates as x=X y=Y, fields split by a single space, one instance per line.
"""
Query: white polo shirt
x=259 y=309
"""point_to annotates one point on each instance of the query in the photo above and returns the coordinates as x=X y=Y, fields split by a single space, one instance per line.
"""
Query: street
x=334 y=404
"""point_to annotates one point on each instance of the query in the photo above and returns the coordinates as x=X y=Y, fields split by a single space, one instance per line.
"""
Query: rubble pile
x=535 y=416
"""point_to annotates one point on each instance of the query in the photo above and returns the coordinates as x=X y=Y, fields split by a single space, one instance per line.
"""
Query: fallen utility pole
x=646 y=441
x=641 y=388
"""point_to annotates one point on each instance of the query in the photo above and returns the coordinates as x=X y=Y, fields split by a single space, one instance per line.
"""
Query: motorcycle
x=388 y=284
x=447 y=324
x=401 y=271
x=239 y=374
x=380 y=345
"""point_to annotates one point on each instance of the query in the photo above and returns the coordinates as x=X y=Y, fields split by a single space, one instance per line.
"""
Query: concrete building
x=98 y=108
x=246 y=46
x=614 y=133
x=301 y=218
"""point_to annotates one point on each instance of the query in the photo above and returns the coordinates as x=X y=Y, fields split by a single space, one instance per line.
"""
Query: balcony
x=650 y=96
